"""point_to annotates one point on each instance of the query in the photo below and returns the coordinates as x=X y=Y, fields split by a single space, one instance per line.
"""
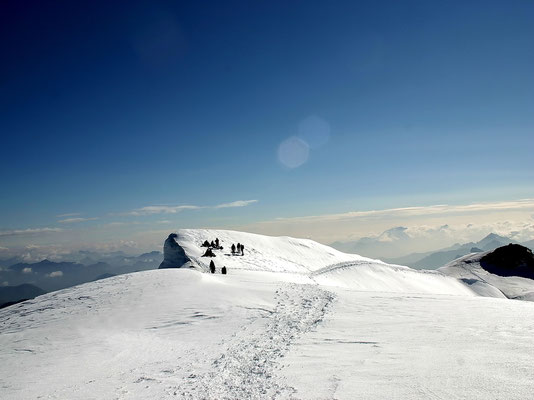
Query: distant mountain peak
x=492 y=241
x=493 y=236
x=396 y=233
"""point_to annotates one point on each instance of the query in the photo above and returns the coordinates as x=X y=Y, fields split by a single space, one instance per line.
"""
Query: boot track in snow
x=246 y=369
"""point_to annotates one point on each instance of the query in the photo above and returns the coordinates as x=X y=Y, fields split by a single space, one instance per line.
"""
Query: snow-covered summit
x=315 y=262
x=261 y=253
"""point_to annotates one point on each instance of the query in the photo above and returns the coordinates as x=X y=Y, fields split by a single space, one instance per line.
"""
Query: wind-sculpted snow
x=292 y=319
x=173 y=255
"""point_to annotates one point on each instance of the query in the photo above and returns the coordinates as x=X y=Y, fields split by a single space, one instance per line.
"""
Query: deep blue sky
x=106 y=108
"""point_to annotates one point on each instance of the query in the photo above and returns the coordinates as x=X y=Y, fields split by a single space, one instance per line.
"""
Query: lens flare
x=293 y=152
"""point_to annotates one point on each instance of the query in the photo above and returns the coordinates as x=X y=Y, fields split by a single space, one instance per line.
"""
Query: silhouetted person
x=208 y=253
x=212 y=244
x=242 y=249
x=206 y=244
x=217 y=242
x=233 y=248
x=238 y=247
x=212 y=267
x=223 y=270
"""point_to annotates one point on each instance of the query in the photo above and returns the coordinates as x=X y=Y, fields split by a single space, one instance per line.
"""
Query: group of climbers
x=174 y=255
x=213 y=244
x=238 y=249
x=212 y=268
x=210 y=246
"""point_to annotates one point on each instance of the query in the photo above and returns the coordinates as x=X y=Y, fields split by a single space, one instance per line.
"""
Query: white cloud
x=418 y=238
x=74 y=220
x=163 y=221
x=68 y=215
x=238 y=203
x=526 y=204
x=470 y=232
x=33 y=253
x=55 y=274
x=151 y=210
x=29 y=231
x=120 y=223
x=445 y=224
x=69 y=251
x=5 y=283
x=120 y=245
x=27 y=270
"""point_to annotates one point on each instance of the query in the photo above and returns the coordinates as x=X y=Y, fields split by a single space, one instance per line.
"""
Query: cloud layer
x=442 y=209
x=430 y=227
x=418 y=228
x=74 y=220
x=150 y=210
x=28 y=231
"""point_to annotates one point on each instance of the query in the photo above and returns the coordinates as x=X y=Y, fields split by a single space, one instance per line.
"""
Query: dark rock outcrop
x=511 y=260
x=173 y=254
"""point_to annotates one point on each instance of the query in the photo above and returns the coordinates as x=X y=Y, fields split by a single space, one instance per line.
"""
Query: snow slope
x=374 y=276
x=316 y=324
x=327 y=265
x=262 y=253
x=468 y=269
x=390 y=346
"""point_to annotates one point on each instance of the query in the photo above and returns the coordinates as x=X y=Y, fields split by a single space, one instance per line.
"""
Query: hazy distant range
x=375 y=248
x=21 y=280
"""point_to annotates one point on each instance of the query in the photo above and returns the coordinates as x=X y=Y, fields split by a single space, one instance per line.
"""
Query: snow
x=372 y=276
x=468 y=269
x=173 y=255
x=390 y=346
x=292 y=319
x=262 y=253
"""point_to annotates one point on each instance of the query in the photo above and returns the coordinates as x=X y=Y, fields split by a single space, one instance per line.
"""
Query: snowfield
x=292 y=319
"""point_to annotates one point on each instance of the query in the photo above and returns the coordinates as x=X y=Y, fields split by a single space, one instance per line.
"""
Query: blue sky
x=106 y=109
